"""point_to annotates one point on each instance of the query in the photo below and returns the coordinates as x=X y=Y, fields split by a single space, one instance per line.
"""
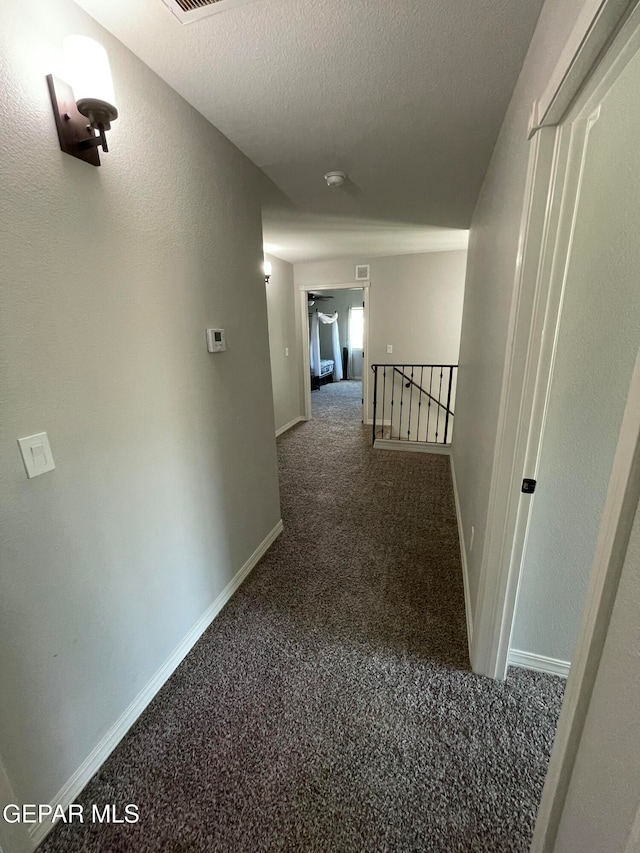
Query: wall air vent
x=193 y=10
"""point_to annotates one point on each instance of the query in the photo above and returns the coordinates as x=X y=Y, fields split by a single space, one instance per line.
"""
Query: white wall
x=415 y=303
x=285 y=369
x=602 y=808
x=166 y=475
x=491 y=272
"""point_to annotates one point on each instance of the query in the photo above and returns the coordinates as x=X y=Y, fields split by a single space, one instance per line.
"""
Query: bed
x=326 y=374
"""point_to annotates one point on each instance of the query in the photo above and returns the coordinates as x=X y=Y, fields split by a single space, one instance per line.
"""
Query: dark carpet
x=330 y=706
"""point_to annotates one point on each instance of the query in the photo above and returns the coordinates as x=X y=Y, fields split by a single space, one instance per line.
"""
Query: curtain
x=314 y=344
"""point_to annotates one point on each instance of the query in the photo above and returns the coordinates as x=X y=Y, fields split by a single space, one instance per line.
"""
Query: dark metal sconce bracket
x=76 y=135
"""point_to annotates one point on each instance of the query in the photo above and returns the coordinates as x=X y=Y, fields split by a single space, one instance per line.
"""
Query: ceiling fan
x=312 y=298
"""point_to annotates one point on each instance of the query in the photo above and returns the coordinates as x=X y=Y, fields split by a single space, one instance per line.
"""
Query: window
x=356 y=328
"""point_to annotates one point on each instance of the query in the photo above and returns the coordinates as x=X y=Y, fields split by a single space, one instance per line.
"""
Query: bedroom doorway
x=335 y=329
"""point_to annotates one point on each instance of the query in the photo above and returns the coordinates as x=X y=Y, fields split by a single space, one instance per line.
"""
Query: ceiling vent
x=193 y=10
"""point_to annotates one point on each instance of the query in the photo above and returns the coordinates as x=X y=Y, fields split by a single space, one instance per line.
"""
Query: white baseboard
x=463 y=560
x=67 y=794
x=413 y=446
x=529 y=660
x=292 y=423
x=14 y=837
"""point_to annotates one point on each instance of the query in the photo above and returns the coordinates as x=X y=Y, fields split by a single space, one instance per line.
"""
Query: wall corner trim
x=70 y=790
x=539 y=663
x=463 y=560
x=288 y=426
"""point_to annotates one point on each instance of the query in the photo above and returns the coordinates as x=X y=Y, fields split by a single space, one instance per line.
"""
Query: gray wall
x=595 y=356
x=491 y=272
x=415 y=303
x=166 y=476
x=285 y=369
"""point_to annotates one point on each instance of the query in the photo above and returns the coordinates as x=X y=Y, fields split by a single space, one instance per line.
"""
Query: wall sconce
x=90 y=96
x=267 y=271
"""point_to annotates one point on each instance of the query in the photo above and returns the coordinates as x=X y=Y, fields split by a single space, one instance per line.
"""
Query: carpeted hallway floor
x=330 y=707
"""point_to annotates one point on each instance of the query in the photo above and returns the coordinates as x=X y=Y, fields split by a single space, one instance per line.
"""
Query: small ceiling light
x=267 y=271
x=335 y=179
x=89 y=97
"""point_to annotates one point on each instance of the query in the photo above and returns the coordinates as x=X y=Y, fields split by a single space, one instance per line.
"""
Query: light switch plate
x=36 y=454
x=389 y=348
x=216 y=341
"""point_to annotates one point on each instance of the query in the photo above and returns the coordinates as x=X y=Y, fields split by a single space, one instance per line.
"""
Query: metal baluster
x=384 y=394
x=446 y=421
x=375 y=401
x=429 y=403
x=402 y=368
x=393 y=394
x=410 y=407
x=420 y=401
x=439 y=401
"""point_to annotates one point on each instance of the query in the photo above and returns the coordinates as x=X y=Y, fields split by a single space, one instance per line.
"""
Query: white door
x=596 y=275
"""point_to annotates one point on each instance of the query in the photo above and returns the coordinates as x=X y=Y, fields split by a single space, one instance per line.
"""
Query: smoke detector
x=192 y=10
x=335 y=179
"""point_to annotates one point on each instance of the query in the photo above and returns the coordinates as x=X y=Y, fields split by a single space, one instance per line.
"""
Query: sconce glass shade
x=267 y=268
x=90 y=78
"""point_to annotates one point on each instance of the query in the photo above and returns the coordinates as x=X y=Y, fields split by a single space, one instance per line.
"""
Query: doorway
x=583 y=387
x=575 y=417
x=332 y=339
x=575 y=344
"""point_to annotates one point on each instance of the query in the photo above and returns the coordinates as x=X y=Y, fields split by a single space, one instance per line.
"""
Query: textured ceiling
x=406 y=96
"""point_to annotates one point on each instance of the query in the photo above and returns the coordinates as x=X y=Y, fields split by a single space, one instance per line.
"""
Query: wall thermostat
x=215 y=340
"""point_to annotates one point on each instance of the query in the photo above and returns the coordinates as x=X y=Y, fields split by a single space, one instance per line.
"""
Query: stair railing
x=412 y=402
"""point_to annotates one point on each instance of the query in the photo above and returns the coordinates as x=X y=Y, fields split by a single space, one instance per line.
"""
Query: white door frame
x=304 y=324
x=533 y=323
